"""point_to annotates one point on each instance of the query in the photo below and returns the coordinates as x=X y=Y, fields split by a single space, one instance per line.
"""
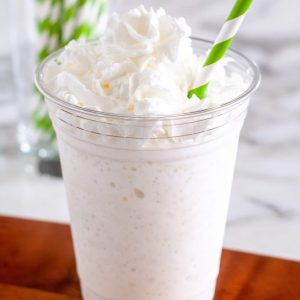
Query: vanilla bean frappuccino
x=147 y=171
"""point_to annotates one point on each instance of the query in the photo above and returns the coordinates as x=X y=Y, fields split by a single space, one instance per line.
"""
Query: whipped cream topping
x=144 y=64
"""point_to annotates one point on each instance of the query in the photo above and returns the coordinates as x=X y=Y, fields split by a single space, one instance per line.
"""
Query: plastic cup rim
x=38 y=78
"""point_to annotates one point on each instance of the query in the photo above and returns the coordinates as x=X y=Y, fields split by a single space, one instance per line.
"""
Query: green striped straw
x=58 y=22
x=222 y=43
x=68 y=25
x=81 y=19
x=48 y=26
x=48 y=20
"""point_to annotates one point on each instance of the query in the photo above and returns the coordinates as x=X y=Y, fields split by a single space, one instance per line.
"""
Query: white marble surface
x=264 y=215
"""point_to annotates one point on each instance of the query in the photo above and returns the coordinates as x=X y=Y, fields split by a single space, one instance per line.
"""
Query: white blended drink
x=147 y=171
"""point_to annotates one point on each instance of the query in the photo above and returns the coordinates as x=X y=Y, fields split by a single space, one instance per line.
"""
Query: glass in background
x=38 y=28
x=8 y=108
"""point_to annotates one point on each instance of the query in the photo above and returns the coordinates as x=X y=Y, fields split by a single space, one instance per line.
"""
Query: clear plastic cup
x=148 y=196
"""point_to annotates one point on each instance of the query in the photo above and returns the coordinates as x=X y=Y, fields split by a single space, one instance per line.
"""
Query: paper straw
x=48 y=20
x=101 y=18
x=58 y=22
x=48 y=14
x=222 y=43
x=84 y=26
x=82 y=18
x=69 y=20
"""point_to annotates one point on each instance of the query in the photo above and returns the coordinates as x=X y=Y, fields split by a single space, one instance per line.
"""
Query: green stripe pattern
x=239 y=8
x=84 y=15
x=63 y=13
x=219 y=49
x=58 y=22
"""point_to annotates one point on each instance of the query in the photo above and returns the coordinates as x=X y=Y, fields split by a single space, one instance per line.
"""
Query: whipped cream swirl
x=143 y=65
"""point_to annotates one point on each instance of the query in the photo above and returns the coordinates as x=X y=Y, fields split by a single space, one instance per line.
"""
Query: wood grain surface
x=37 y=255
x=246 y=276
x=37 y=263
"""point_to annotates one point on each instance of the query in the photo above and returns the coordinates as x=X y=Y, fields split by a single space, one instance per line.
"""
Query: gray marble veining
x=264 y=214
x=265 y=206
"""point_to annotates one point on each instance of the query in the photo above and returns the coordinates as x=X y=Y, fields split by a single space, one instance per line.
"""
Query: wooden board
x=37 y=263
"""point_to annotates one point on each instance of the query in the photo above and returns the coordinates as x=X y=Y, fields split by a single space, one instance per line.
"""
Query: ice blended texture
x=148 y=198
x=143 y=65
x=148 y=225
